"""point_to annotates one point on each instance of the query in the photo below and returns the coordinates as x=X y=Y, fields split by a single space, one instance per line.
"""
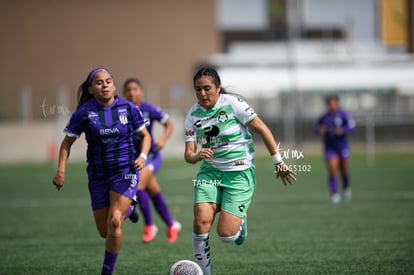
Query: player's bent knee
x=115 y=224
x=229 y=239
x=201 y=226
x=227 y=232
x=115 y=227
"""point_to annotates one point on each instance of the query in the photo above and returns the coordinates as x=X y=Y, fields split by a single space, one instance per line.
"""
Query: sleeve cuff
x=250 y=119
x=146 y=123
x=69 y=134
x=165 y=118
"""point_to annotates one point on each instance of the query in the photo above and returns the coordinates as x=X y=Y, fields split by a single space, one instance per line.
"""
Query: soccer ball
x=185 y=267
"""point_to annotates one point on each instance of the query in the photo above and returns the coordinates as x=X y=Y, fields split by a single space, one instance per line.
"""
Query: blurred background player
x=334 y=126
x=109 y=124
x=134 y=92
x=219 y=123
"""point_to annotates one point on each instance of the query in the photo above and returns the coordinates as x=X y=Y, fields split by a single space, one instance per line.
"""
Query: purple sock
x=345 y=181
x=162 y=209
x=144 y=205
x=129 y=212
x=109 y=262
x=333 y=186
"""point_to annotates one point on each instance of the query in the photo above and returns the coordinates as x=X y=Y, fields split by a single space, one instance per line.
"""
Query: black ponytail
x=83 y=93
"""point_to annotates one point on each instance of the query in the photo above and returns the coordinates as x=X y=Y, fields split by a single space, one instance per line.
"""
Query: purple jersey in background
x=336 y=144
x=109 y=132
x=150 y=113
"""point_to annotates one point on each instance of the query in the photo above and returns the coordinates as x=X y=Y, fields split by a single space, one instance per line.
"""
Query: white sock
x=201 y=248
x=230 y=239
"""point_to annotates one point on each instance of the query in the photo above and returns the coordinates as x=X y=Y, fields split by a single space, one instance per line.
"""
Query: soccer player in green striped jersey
x=217 y=132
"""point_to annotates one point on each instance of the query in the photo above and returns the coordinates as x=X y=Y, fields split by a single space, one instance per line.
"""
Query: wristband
x=144 y=156
x=277 y=159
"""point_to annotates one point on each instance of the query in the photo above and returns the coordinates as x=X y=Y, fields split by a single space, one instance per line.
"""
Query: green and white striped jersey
x=223 y=128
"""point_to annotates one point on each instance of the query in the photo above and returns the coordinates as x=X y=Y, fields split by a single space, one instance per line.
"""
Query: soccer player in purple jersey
x=133 y=91
x=334 y=126
x=110 y=124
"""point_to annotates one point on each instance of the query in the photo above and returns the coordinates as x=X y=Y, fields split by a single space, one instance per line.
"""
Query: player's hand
x=139 y=163
x=323 y=129
x=339 y=131
x=285 y=173
x=159 y=145
x=59 y=180
x=205 y=153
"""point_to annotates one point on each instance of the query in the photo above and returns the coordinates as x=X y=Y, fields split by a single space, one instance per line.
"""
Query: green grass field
x=292 y=230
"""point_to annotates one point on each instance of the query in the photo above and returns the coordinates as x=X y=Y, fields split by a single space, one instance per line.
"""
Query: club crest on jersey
x=222 y=116
x=123 y=116
x=92 y=117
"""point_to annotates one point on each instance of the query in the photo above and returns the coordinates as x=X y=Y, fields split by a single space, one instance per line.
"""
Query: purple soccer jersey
x=336 y=144
x=150 y=113
x=109 y=132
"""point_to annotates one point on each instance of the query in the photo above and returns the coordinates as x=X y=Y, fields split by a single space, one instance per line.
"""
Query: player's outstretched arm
x=64 y=153
x=282 y=170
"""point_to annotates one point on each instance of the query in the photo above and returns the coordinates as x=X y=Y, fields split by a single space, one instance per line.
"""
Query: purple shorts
x=125 y=183
x=154 y=161
x=341 y=152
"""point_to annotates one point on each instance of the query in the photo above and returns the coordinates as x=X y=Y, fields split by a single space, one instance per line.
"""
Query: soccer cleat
x=150 y=231
x=243 y=232
x=172 y=232
x=347 y=194
x=134 y=217
x=335 y=198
